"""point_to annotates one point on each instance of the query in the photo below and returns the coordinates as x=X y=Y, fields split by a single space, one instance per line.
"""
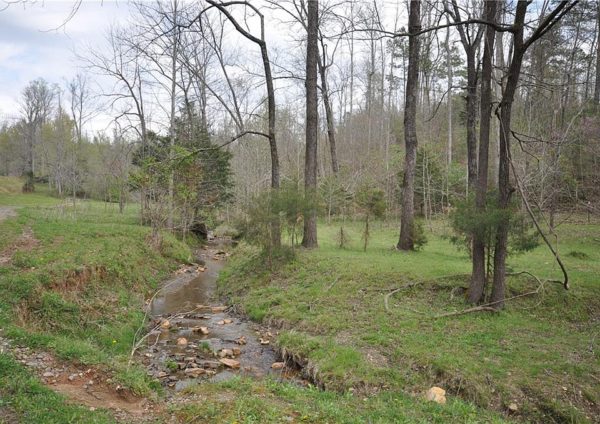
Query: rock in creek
x=230 y=363
x=202 y=330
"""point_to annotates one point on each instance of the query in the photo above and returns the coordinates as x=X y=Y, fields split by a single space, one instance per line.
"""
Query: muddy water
x=180 y=355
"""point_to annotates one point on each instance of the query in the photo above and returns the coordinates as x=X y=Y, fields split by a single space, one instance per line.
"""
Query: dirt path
x=6 y=212
x=88 y=386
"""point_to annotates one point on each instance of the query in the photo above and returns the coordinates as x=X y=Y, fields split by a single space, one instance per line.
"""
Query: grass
x=538 y=353
x=248 y=401
x=77 y=282
x=10 y=185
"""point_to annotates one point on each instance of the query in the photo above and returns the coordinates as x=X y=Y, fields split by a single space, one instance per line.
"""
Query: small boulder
x=230 y=363
x=225 y=353
x=436 y=394
x=202 y=330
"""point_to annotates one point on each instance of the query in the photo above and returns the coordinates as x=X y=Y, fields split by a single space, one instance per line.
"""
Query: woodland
x=402 y=196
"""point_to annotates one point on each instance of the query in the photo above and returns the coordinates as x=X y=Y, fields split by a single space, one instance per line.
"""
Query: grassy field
x=73 y=279
x=73 y=282
x=540 y=354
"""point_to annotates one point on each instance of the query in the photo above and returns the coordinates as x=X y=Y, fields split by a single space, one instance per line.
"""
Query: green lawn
x=540 y=353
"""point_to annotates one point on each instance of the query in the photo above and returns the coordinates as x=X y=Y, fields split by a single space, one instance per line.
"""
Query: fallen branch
x=468 y=311
x=489 y=306
x=413 y=284
x=565 y=282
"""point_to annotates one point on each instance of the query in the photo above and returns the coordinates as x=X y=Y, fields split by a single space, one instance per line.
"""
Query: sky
x=33 y=46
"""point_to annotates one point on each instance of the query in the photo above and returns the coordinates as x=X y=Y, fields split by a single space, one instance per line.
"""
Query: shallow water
x=187 y=302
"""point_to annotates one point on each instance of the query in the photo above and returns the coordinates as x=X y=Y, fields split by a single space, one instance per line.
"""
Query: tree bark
x=406 y=241
x=310 y=165
x=476 y=288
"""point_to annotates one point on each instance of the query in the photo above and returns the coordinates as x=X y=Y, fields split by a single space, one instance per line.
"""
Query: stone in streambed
x=225 y=353
x=230 y=363
x=194 y=372
x=202 y=330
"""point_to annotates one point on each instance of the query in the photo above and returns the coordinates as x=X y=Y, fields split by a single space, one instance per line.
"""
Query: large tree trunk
x=406 y=241
x=476 y=288
x=504 y=188
x=310 y=164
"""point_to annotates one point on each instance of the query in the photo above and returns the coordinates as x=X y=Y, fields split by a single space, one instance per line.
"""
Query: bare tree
x=520 y=46
x=36 y=106
x=261 y=42
x=470 y=37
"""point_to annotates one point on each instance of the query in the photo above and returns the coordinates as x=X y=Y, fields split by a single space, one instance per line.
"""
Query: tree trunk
x=406 y=241
x=328 y=110
x=478 y=277
x=310 y=164
x=504 y=188
x=471 y=118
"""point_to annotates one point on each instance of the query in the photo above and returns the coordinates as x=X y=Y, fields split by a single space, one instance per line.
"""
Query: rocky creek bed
x=193 y=338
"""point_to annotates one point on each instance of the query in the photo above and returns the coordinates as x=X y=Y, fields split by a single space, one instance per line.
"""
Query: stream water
x=195 y=339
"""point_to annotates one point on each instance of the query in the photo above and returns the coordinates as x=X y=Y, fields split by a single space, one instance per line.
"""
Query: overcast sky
x=32 y=47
